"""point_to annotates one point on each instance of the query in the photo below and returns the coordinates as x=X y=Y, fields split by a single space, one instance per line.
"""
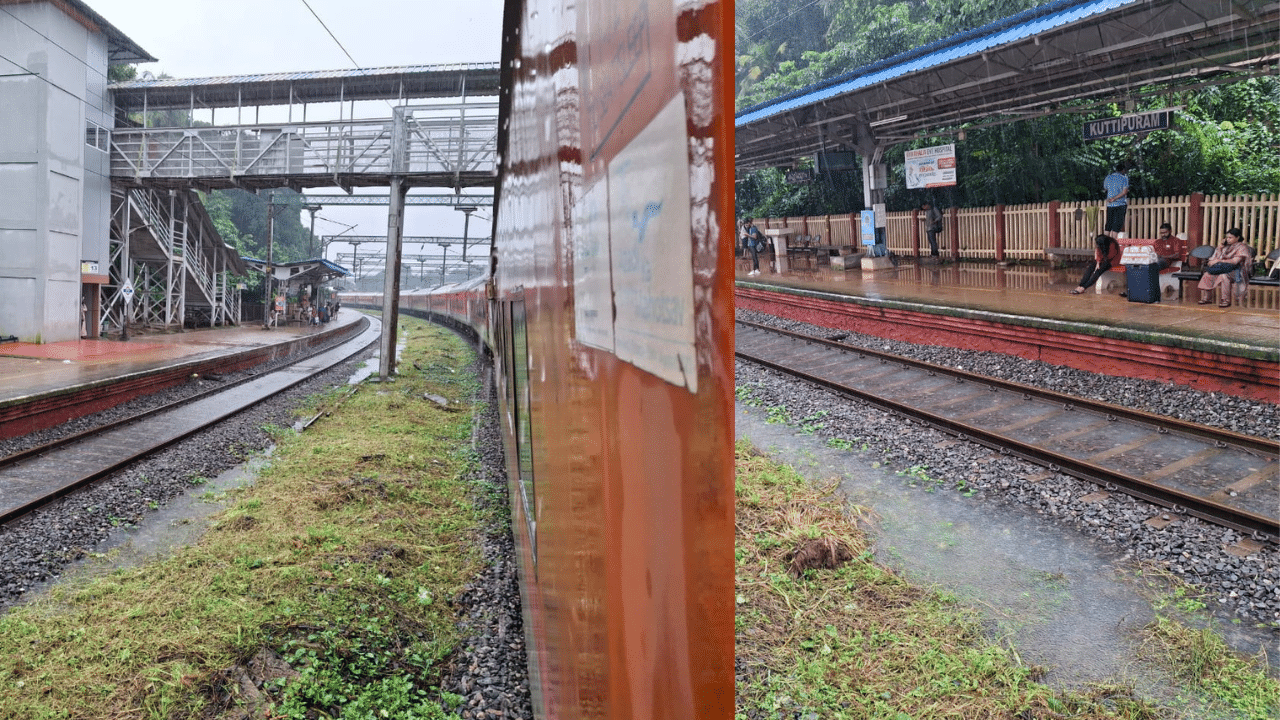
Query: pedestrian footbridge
x=169 y=141
x=445 y=145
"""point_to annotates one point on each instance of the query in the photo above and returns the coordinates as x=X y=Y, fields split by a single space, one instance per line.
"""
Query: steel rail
x=1259 y=526
x=342 y=351
x=52 y=445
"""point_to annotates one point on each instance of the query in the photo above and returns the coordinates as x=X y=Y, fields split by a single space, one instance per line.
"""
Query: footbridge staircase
x=440 y=131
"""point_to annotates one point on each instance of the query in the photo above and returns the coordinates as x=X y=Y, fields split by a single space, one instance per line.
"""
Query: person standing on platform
x=1227 y=270
x=1116 y=186
x=933 y=225
x=1106 y=254
x=753 y=242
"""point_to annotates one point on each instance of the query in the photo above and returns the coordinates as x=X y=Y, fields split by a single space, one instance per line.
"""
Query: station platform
x=67 y=379
x=981 y=305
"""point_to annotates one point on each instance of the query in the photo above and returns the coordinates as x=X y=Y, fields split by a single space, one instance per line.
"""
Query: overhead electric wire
x=357 y=65
x=781 y=18
x=335 y=37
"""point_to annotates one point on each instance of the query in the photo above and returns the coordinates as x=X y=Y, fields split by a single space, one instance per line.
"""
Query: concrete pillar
x=1055 y=228
x=953 y=232
x=395 y=238
x=1195 y=222
x=1000 y=236
x=915 y=232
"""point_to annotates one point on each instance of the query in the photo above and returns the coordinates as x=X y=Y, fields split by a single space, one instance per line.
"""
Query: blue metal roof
x=1026 y=24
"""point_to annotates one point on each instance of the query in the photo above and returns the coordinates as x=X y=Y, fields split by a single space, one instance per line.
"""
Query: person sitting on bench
x=1105 y=255
x=1226 y=269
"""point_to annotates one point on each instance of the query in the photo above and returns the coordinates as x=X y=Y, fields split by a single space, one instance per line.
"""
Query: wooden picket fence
x=1023 y=232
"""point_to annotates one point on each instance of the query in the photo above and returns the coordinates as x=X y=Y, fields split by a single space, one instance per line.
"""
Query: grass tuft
x=852 y=640
x=321 y=592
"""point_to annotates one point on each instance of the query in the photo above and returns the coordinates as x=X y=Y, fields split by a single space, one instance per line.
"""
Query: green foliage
x=781 y=48
x=241 y=220
x=766 y=193
x=1224 y=140
x=122 y=73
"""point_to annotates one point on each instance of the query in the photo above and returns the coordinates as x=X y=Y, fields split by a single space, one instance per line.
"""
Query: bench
x=1061 y=256
x=1194 y=276
x=841 y=257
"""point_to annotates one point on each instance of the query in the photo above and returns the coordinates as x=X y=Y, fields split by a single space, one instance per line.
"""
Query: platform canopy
x=317 y=86
x=306 y=272
x=1087 y=53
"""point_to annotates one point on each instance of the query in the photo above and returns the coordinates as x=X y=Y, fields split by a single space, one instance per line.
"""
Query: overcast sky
x=203 y=38
x=209 y=38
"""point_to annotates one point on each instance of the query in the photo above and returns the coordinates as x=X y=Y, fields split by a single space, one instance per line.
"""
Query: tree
x=121 y=73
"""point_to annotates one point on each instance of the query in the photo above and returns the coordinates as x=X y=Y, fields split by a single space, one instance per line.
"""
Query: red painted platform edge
x=29 y=415
x=1206 y=371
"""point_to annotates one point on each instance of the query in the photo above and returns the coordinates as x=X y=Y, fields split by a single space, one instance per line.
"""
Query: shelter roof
x=384 y=83
x=315 y=270
x=1084 y=52
x=120 y=49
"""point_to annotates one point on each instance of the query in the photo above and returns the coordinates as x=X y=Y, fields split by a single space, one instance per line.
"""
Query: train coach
x=608 y=308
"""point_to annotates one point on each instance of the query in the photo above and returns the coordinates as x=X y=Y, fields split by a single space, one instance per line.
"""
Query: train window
x=520 y=396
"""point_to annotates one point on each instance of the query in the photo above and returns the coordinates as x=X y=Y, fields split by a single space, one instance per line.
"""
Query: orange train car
x=608 y=308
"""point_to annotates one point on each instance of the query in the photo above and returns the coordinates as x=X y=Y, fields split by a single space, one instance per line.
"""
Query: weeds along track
x=1219 y=476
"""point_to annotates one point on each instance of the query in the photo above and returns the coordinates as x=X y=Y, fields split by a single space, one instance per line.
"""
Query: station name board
x=1129 y=124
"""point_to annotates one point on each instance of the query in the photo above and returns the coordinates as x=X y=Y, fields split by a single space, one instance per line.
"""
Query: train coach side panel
x=612 y=320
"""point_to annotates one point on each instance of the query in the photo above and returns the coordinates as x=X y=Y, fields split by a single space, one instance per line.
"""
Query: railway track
x=34 y=477
x=1223 y=477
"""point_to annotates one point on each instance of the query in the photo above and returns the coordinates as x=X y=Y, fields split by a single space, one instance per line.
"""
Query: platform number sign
x=127 y=290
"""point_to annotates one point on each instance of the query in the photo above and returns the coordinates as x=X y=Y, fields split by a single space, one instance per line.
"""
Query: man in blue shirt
x=1116 y=186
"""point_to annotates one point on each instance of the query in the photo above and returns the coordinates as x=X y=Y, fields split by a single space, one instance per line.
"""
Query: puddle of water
x=362 y=373
x=177 y=523
x=1063 y=602
x=180 y=521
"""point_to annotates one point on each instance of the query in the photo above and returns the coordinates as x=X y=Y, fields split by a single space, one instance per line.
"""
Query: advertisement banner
x=931 y=167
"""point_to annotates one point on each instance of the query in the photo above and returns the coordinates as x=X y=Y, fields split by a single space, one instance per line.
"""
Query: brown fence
x=1023 y=232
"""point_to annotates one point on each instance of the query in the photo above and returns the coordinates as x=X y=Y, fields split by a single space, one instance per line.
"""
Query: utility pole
x=444 y=253
x=269 y=300
x=466 y=224
x=311 y=239
x=355 y=263
x=395 y=234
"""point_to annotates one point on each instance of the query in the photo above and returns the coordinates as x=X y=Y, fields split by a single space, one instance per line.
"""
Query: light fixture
x=886 y=121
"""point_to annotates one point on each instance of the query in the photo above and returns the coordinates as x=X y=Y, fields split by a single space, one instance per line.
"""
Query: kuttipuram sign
x=1128 y=124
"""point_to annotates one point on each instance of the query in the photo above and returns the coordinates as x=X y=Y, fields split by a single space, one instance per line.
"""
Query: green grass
x=858 y=641
x=340 y=559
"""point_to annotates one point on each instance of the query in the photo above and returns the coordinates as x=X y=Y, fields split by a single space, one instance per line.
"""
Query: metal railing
x=440 y=140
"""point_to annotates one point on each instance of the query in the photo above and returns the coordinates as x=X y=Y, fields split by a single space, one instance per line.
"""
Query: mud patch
x=825 y=553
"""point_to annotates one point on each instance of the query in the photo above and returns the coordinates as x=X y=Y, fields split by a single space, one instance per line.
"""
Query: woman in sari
x=1229 y=267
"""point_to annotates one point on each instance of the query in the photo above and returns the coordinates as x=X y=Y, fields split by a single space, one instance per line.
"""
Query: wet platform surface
x=1039 y=291
x=28 y=369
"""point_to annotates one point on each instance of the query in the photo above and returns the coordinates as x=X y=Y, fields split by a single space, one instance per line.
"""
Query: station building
x=72 y=242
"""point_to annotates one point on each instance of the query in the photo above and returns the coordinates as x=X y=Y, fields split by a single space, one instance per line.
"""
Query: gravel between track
x=1248 y=587
x=489 y=669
